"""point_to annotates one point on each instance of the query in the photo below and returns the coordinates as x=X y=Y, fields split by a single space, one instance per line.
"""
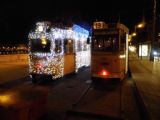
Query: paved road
x=10 y=71
x=64 y=92
x=95 y=104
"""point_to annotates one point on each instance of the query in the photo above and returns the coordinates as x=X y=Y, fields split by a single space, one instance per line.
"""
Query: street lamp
x=138 y=26
x=141 y=25
x=153 y=30
x=134 y=34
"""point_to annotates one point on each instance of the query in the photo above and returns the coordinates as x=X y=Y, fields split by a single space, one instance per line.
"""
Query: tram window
x=84 y=46
x=65 y=46
x=68 y=46
x=111 y=43
x=58 y=46
x=123 y=38
x=122 y=47
x=88 y=40
x=123 y=42
x=115 y=44
x=40 y=45
x=98 y=44
x=79 y=46
x=105 y=44
x=108 y=44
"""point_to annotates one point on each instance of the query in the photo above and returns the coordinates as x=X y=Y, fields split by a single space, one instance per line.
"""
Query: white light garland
x=52 y=63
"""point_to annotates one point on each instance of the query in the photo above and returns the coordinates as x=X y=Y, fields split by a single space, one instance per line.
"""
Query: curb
x=144 y=113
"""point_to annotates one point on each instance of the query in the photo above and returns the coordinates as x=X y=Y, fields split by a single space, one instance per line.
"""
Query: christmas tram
x=109 y=55
x=57 y=50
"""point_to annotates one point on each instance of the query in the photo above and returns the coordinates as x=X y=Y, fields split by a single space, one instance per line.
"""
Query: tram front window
x=40 y=45
x=105 y=44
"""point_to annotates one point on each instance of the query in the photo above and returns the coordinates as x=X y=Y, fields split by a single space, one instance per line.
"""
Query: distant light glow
x=4 y=98
x=134 y=34
x=7 y=99
x=155 y=53
x=122 y=56
x=129 y=38
x=132 y=48
x=141 y=25
x=143 y=50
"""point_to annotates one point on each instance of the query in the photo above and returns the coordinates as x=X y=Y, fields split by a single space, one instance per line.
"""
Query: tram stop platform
x=146 y=76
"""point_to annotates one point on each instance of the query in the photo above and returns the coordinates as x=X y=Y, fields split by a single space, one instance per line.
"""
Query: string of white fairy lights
x=53 y=63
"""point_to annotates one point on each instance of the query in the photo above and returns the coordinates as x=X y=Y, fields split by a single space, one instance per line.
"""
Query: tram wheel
x=34 y=80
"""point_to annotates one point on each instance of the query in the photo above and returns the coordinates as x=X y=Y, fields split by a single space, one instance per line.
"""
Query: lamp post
x=153 y=31
x=139 y=26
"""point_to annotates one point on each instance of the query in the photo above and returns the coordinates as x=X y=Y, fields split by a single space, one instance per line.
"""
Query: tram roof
x=102 y=25
x=74 y=27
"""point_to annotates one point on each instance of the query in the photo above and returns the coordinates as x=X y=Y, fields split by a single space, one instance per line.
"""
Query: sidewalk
x=146 y=75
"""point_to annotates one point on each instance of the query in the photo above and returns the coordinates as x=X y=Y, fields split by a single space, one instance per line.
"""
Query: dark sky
x=17 y=18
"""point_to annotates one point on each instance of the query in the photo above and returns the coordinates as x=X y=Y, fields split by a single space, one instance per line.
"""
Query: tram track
x=97 y=103
x=77 y=98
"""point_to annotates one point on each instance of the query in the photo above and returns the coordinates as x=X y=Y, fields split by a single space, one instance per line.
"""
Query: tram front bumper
x=117 y=75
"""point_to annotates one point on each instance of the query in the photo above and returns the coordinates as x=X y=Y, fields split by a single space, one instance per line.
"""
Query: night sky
x=17 y=18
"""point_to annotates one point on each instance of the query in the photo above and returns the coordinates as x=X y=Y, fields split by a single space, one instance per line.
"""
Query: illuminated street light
x=134 y=34
x=140 y=25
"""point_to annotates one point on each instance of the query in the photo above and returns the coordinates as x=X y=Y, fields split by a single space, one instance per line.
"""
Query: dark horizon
x=19 y=17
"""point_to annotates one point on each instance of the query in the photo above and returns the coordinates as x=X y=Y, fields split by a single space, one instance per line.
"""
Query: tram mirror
x=88 y=40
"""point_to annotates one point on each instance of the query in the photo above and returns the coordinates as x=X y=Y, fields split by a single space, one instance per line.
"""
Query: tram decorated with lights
x=109 y=56
x=56 y=50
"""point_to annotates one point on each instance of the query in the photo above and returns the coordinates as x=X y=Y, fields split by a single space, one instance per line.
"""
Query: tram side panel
x=69 y=64
x=107 y=66
x=122 y=67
